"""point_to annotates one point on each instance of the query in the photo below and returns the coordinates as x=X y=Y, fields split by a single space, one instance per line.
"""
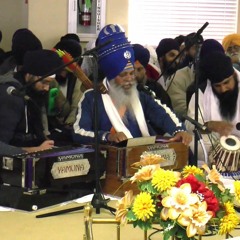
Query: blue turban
x=141 y=54
x=116 y=54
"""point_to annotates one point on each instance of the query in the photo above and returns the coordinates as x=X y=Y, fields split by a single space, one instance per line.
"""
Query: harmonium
x=120 y=158
x=51 y=168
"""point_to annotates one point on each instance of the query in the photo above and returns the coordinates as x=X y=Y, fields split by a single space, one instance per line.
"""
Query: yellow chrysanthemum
x=143 y=206
x=163 y=180
x=187 y=170
x=230 y=221
x=229 y=207
x=237 y=190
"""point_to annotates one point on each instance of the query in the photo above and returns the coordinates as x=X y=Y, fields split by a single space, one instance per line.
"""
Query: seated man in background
x=185 y=77
x=218 y=102
x=21 y=121
x=149 y=86
x=231 y=45
x=123 y=112
x=167 y=50
x=23 y=40
x=70 y=36
x=65 y=92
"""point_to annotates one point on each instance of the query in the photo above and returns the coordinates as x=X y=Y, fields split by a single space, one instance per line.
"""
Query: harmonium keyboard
x=120 y=158
x=51 y=168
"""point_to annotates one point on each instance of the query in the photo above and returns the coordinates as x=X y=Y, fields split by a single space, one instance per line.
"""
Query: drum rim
x=228 y=147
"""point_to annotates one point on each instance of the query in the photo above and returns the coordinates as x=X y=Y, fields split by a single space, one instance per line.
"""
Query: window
x=152 y=20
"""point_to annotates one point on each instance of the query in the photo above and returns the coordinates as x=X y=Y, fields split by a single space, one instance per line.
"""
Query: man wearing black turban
x=167 y=50
x=21 y=118
x=219 y=102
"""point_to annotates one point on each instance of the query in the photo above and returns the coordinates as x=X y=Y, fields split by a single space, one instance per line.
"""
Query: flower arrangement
x=185 y=203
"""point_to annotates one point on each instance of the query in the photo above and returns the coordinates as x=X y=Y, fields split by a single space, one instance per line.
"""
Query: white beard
x=122 y=98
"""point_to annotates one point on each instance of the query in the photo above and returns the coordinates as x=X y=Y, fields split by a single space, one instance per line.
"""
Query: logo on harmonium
x=70 y=168
x=70 y=157
x=169 y=154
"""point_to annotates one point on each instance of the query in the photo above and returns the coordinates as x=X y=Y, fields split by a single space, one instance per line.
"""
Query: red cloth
x=152 y=73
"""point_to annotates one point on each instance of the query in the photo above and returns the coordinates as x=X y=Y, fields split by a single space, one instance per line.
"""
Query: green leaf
x=131 y=216
x=147 y=187
x=143 y=225
x=227 y=196
x=200 y=178
x=173 y=230
x=143 y=186
x=166 y=236
x=181 y=233
x=220 y=214
x=216 y=190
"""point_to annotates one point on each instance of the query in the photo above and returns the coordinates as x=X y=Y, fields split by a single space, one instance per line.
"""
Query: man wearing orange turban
x=231 y=45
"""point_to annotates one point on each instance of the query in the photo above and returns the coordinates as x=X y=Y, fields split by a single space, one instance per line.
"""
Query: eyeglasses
x=234 y=48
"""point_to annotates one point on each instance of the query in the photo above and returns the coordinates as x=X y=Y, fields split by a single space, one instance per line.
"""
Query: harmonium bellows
x=50 y=168
x=120 y=159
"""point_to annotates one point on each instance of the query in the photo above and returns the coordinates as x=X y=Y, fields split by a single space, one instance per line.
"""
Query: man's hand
x=184 y=137
x=221 y=127
x=117 y=137
x=48 y=144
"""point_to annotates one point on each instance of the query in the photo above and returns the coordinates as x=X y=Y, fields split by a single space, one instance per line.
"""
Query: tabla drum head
x=230 y=143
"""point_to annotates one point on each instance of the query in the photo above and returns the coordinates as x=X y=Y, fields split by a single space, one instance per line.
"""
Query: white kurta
x=209 y=111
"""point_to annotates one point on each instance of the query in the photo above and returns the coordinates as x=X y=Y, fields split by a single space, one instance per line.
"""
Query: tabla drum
x=226 y=156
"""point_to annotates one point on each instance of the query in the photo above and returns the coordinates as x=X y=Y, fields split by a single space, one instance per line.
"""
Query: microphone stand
x=196 y=81
x=198 y=136
x=98 y=200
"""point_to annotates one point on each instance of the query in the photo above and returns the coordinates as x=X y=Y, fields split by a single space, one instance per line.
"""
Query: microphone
x=202 y=28
x=94 y=50
x=195 y=123
x=14 y=92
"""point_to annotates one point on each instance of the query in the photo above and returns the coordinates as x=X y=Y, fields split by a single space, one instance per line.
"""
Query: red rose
x=195 y=184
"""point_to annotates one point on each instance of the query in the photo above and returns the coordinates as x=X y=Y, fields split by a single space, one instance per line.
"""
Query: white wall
x=117 y=12
x=48 y=18
x=13 y=16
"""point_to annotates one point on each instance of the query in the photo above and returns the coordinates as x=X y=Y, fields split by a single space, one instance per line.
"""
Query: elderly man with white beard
x=123 y=112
